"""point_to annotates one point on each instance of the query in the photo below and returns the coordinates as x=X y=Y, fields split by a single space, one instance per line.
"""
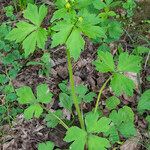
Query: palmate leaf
x=66 y=35
x=26 y=96
x=32 y=35
x=69 y=30
x=123 y=121
x=120 y=84
x=81 y=137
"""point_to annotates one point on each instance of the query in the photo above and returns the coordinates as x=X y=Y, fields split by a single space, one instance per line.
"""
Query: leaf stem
x=61 y=121
x=100 y=93
x=75 y=100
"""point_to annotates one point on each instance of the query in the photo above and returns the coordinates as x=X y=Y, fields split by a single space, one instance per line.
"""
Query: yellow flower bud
x=68 y=5
x=80 y=19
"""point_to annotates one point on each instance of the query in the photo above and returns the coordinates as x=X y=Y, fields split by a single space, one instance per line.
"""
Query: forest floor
x=24 y=135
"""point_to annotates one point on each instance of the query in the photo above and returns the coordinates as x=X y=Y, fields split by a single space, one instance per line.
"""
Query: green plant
x=9 y=10
x=48 y=145
x=129 y=5
x=33 y=34
x=45 y=63
x=126 y=63
x=144 y=104
x=82 y=92
x=73 y=21
x=10 y=66
x=26 y=96
x=22 y=4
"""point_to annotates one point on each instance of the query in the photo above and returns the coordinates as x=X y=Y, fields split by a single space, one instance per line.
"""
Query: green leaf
x=77 y=136
x=34 y=110
x=127 y=129
x=96 y=125
x=129 y=63
x=124 y=121
x=104 y=62
x=113 y=134
x=32 y=35
x=48 y=145
x=41 y=37
x=89 y=97
x=99 y=4
x=43 y=94
x=65 y=101
x=98 y=143
x=94 y=31
x=112 y=102
x=144 y=101
x=141 y=50
x=3 y=79
x=34 y=15
x=29 y=44
x=51 y=120
x=25 y=95
x=115 y=30
x=75 y=43
x=61 y=36
x=83 y=94
x=58 y=14
x=21 y=32
x=81 y=89
x=120 y=84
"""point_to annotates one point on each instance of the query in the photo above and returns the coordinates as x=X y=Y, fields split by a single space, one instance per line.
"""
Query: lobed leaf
x=43 y=94
x=105 y=62
x=129 y=63
x=120 y=84
x=25 y=95
x=112 y=102
x=96 y=125
x=34 y=110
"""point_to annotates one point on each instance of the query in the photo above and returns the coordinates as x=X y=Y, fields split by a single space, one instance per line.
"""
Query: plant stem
x=61 y=121
x=72 y=84
x=100 y=93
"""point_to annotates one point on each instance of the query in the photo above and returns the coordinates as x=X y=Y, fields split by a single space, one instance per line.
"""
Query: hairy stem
x=72 y=84
x=100 y=93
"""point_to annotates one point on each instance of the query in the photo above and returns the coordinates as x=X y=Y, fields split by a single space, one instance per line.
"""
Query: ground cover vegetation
x=93 y=117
